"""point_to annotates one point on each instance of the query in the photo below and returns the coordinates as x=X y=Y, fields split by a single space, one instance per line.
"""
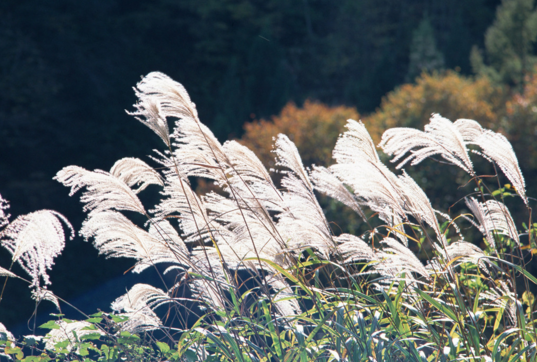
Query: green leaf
x=94 y=320
x=90 y=336
x=49 y=325
x=164 y=348
x=119 y=319
x=83 y=351
x=441 y=306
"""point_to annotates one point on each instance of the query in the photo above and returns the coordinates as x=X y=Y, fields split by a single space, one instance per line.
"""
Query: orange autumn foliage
x=314 y=128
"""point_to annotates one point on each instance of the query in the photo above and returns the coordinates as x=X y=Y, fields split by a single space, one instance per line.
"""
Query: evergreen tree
x=424 y=56
x=509 y=44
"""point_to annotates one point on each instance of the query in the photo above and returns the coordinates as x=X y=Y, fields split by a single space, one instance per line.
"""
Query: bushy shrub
x=258 y=273
x=313 y=128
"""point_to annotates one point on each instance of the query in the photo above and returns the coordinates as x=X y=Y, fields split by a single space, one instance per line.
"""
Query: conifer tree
x=509 y=41
x=424 y=55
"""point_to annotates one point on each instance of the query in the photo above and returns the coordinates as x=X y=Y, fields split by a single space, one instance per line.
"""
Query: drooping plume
x=494 y=146
x=104 y=191
x=160 y=97
x=35 y=240
x=440 y=137
x=492 y=216
x=303 y=222
x=138 y=305
x=355 y=144
x=134 y=171
x=116 y=236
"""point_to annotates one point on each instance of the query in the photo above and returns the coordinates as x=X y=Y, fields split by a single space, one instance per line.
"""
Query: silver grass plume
x=502 y=297
x=8 y=335
x=35 y=240
x=244 y=232
x=440 y=137
x=134 y=171
x=7 y=273
x=492 y=216
x=283 y=296
x=327 y=183
x=367 y=176
x=104 y=191
x=464 y=249
x=397 y=259
x=355 y=144
x=4 y=216
x=352 y=249
x=417 y=204
x=182 y=201
x=303 y=222
x=68 y=331
x=39 y=294
x=494 y=146
x=198 y=152
x=160 y=97
x=207 y=261
x=138 y=304
x=116 y=236
x=379 y=187
x=252 y=185
x=463 y=252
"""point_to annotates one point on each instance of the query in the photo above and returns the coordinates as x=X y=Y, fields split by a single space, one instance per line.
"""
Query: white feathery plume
x=198 y=152
x=287 y=156
x=467 y=252
x=379 y=187
x=352 y=248
x=493 y=215
x=4 y=216
x=68 y=331
x=494 y=146
x=303 y=223
x=160 y=97
x=250 y=180
x=182 y=200
x=116 y=236
x=39 y=294
x=355 y=144
x=35 y=240
x=440 y=137
x=359 y=167
x=134 y=171
x=243 y=230
x=3 y=330
x=207 y=262
x=502 y=297
x=7 y=273
x=138 y=304
x=418 y=205
x=464 y=249
x=104 y=191
x=282 y=290
x=396 y=259
x=163 y=231
x=327 y=183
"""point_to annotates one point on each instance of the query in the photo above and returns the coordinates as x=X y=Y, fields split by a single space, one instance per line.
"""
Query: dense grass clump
x=260 y=274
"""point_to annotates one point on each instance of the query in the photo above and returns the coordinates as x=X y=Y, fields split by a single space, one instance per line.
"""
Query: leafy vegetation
x=257 y=272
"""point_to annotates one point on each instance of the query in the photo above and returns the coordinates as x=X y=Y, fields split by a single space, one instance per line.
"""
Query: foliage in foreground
x=259 y=275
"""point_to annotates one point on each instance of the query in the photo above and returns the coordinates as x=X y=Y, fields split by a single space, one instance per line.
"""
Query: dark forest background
x=67 y=70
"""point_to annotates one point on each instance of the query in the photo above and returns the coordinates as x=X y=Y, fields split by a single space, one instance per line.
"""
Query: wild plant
x=259 y=273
